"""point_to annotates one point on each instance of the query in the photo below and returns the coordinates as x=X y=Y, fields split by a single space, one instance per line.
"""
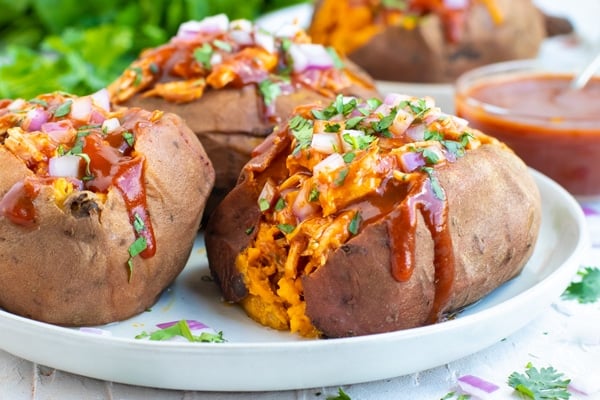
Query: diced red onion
x=330 y=163
x=432 y=115
x=101 y=99
x=411 y=161
x=81 y=108
x=302 y=207
x=416 y=132
x=383 y=110
x=16 y=105
x=459 y=123
x=35 y=118
x=96 y=117
x=192 y=324
x=327 y=143
x=110 y=125
x=215 y=24
x=265 y=40
x=267 y=193
x=64 y=166
x=476 y=386
x=241 y=25
x=60 y=131
x=401 y=122
x=394 y=99
x=216 y=59
x=309 y=56
x=241 y=37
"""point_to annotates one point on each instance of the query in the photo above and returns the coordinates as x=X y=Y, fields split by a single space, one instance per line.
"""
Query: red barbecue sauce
x=110 y=165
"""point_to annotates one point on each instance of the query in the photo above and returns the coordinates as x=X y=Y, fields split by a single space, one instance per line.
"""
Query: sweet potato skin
x=354 y=293
x=231 y=122
x=71 y=268
x=424 y=55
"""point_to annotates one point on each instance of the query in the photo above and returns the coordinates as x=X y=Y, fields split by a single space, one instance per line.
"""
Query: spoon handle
x=584 y=76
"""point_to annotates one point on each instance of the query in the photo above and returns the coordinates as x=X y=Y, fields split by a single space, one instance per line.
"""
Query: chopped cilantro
x=138 y=223
x=63 y=109
x=269 y=91
x=353 y=122
x=332 y=128
x=264 y=204
x=349 y=157
x=135 y=249
x=249 y=231
x=418 y=107
x=454 y=395
x=546 y=383
x=587 y=289
x=432 y=135
x=302 y=129
x=129 y=138
x=280 y=205
x=286 y=228
x=154 y=68
x=340 y=396
x=222 y=45
x=41 y=102
x=435 y=184
x=313 y=195
x=339 y=180
x=359 y=142
x=430 y=156
x=355 y=223
x=182 y=328
x=203 y=55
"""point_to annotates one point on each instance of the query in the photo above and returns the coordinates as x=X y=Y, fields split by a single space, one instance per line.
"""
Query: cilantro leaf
x=269 y=91
x=354 y=225
x=203 y=55
x=545 y=383
x=587 y=289
x=340 y=396
x=182 y=328
x=435 y=184
x=302 y=129
x=286 y=228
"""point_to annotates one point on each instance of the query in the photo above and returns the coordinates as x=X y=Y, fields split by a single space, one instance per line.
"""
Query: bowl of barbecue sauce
x=530 y=107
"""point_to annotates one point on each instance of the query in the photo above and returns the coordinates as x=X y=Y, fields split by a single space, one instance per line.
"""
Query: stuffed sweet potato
x=364 y=217
x=99 y=209
x=428 y=40
x=233 y=82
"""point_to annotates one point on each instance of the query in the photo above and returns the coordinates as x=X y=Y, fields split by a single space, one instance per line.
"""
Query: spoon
x=582 y=78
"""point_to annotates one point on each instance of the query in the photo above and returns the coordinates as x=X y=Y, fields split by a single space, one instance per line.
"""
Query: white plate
x=257 y=358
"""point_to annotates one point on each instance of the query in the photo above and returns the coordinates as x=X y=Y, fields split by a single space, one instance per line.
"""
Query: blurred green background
x=79 y=46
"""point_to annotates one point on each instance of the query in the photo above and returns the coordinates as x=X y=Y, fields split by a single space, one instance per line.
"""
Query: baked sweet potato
x=366 y=216
x=233 y=82
x=99 y=209
x=428 y=40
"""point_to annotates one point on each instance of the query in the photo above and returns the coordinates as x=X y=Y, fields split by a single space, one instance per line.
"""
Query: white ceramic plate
x=257 y=358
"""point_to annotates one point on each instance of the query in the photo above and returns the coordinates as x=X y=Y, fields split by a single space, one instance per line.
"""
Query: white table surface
x=566 y=335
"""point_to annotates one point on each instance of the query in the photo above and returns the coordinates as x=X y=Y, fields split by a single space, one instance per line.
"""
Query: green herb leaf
x=203 y=55
x=546 y=383
x=139 y=74
x=223 y=45
x=249 y=231
x=587 y=289
x=129 y=138
x=332 y=128
x=135 y=249
x=340 y=396
x=263 y=204
x=433 y=135
x=435 y=184
x=63 y=109
x=354 y=225
x=280 y=205
x=286 y=228
x=430 y=156
x=182 y=328
x=453 y=395
x=349 y=157
x=302 y=129
x=358 y=142
x=353 y=122
x=313 y=195
x=339 y=180
x=138 y=223
x=269 y=91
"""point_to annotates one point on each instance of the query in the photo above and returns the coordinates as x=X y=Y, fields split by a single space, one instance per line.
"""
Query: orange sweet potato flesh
x=493 y=220
x=71 y=267
x=423 y=53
